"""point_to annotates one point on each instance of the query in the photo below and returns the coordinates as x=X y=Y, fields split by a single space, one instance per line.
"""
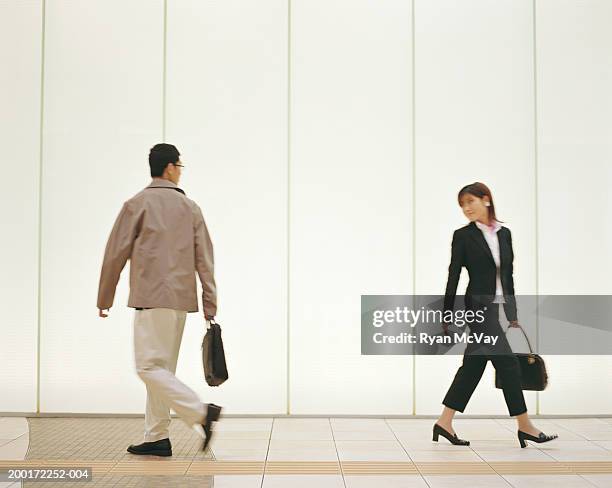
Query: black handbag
x=533 y=370
x=213 y=356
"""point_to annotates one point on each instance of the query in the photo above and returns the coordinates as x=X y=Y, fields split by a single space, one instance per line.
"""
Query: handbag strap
x=524 y=335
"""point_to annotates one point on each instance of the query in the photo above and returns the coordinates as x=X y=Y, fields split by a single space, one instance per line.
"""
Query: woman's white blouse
x=490 y=235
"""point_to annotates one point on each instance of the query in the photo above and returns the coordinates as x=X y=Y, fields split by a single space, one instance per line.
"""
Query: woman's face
x=474 y=208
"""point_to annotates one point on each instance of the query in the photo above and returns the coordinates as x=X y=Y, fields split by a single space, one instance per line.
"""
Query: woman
x=484 y=247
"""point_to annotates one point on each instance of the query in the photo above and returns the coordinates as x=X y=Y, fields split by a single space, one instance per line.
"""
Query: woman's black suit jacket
x=470 y=249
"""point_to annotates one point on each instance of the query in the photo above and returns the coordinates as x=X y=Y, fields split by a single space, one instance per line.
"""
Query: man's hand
x=514 y=323
x=101 y=313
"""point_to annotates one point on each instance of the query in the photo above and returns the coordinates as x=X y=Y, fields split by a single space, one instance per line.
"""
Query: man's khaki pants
x=157 y=339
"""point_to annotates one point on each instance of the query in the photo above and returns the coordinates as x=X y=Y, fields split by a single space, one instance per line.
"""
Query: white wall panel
x=20 y=58
x=350 y=199
x=474 y=110
x=103 y=111
x=574 y=52
x=227 y=114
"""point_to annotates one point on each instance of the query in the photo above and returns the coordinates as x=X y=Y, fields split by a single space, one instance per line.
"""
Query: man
x=164 y=235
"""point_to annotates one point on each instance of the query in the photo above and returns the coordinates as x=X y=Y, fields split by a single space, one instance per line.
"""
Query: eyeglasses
x=181 y=165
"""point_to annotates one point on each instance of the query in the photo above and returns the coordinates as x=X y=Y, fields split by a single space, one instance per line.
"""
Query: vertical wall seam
x=413 y=50
x=288 y=201
x=164 y=71
x=536 y=184
x=40 y=163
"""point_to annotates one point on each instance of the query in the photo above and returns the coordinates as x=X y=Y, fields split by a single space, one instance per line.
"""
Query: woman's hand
x=514 y=323
x=445 y=327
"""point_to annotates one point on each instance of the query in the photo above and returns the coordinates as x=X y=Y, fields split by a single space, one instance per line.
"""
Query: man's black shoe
x=162 y=447
x=212 y=415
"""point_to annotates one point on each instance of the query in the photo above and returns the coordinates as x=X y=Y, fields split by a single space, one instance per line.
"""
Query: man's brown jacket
x=164 y=235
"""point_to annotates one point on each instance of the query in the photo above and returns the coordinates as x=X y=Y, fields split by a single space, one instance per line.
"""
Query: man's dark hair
x=160 y=156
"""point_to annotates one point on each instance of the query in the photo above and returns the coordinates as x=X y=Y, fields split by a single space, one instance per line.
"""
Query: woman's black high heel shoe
x=452 y=438
x=542 y=437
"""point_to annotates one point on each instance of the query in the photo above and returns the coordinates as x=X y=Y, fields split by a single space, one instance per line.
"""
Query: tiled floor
x=322 y=452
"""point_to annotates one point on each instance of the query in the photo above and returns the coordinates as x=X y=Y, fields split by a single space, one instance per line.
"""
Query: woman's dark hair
x=479 y=190
x=160 y=156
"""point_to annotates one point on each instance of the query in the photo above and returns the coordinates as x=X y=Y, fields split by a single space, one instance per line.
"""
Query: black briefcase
x=213 y=356
x=533 y=370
